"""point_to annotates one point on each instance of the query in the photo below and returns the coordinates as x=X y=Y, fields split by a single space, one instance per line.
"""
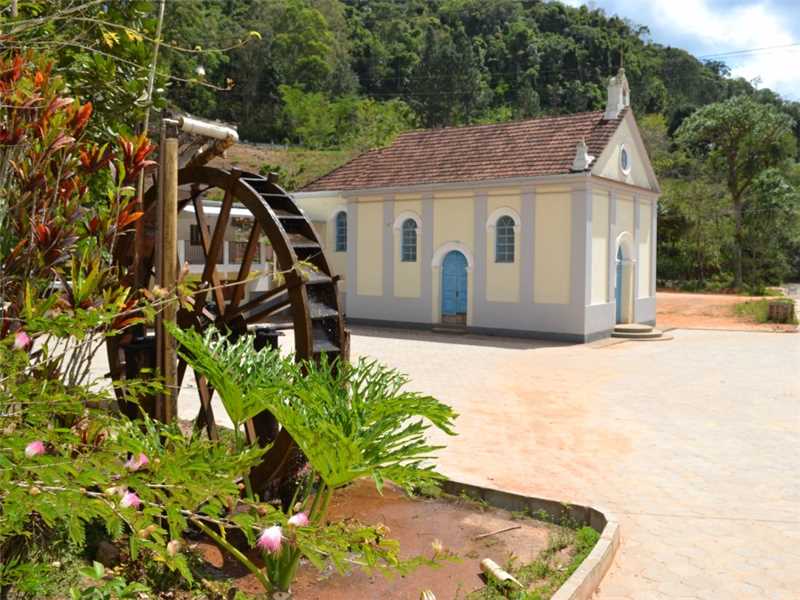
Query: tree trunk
x=737 y=240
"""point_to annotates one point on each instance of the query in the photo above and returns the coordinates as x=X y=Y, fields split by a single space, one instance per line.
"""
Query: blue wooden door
x=618 y=286
x=454 y=284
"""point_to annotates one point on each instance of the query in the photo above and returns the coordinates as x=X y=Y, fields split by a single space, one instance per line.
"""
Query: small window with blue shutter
x=504 y=240
x=341 y=232
x=408 y=241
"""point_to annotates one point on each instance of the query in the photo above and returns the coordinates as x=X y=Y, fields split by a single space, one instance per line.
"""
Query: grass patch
x=758 y=310
x=295 y=166
x=566 y=550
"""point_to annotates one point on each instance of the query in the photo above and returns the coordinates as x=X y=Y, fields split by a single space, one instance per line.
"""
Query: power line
x=751 y=50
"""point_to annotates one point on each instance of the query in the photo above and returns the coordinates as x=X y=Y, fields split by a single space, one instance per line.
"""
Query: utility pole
x=139 y=239
x=167 y=273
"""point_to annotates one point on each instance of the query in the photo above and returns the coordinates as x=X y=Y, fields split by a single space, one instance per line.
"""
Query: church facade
x=542 y=228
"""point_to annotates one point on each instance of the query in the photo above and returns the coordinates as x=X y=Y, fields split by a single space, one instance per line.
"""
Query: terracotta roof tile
x=536 y=147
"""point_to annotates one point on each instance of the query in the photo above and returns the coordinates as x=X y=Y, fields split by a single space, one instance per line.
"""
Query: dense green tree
x=450 y=81
x=771 y=228
x=357 y=123
x=739 y=139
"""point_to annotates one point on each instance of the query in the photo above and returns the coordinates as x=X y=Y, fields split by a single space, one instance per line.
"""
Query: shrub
x=350 y=421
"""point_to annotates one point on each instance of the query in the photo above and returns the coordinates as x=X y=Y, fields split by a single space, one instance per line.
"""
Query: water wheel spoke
x=255 y=302
x=211 y=249
x=205 y=415
x=262 y=429
x=276 y=463
x=181 y=372
x=244 y=269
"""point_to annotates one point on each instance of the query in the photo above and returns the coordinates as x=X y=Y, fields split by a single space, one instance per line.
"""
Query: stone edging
x=586 y=579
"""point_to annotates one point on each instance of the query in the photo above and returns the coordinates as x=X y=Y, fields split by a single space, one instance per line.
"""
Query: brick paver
x=693 y=443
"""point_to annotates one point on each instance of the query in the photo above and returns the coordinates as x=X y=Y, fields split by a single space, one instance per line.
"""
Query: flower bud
x=130 y=500
x=270 y=539
x=22 y=340
x=173 y=547
x=147 y=531
x=35 y=448
x=298 y=520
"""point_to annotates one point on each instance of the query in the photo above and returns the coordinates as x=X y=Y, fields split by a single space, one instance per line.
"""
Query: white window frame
x=624 y=149
x=491 y=227
x=398 y=229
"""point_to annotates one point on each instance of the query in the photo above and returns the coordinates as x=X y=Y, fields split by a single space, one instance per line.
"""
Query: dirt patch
x=415 y=523
x=707 y=311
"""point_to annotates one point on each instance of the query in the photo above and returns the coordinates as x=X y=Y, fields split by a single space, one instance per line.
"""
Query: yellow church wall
x=322 y=233
x=407 y=275
x=453 y=219
x=645 y=247
x=369 y=245
x=624 y=214
x=608 y=164
x=502 y=279
x=552 y=250
x=599 y=248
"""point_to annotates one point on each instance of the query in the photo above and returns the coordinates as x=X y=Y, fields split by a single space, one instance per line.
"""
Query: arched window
x=408 y=241
x=341 y=232
x=504 y=240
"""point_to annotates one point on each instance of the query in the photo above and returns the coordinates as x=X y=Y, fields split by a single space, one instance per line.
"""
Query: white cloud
x=704 y=27
x=736 y=28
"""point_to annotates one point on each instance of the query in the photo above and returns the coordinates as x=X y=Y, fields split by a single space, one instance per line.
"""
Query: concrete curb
x=583 y=583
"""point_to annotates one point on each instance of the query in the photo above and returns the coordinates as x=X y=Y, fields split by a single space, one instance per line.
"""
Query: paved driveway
x=693 y=443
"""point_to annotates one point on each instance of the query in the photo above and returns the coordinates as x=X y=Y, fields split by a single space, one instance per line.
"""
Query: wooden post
x=168 y=239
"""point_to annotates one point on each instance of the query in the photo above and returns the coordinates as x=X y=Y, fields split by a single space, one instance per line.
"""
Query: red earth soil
x=415 y=523
x=708 y=311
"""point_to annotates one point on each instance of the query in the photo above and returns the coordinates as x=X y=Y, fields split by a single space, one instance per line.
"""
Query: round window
x=624 y=160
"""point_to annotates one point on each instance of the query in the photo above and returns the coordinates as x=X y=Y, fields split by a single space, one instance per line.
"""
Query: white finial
x=582 y=157
x=619 y=95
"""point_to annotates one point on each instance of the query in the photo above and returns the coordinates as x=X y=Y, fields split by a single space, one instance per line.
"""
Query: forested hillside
x=331 y=78
x=424 y=63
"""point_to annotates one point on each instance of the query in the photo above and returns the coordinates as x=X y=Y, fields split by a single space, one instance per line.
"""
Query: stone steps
x=449 y=328
x=637 y=331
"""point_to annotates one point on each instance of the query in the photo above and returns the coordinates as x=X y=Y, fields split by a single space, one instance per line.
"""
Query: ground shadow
x=443 y=337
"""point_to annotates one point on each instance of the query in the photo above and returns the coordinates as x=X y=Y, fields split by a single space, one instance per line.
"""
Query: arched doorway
x=624 y=283
x=454 y=288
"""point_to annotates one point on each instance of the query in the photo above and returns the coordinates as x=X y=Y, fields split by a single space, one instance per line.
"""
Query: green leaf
x=99 y=570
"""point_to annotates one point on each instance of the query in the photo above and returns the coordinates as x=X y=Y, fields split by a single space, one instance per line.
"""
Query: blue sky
x=706 y=27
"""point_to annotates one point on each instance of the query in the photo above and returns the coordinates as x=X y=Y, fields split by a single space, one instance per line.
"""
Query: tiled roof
x=536 y=147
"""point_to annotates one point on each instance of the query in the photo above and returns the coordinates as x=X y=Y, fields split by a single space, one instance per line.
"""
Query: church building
x=542 y=228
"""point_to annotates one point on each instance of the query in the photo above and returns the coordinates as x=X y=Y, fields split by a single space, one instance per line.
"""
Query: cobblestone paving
x=694 y=444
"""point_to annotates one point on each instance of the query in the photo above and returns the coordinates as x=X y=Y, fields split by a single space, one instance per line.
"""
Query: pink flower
x=129 y=499
x=270 y=539
x=136 y=463
x=35 y=448
x=298 y=520
x=21 y=340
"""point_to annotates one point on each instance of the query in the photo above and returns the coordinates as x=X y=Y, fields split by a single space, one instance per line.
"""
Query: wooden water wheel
x=305 y=298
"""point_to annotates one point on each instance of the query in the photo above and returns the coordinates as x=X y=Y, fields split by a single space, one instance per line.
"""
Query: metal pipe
x=204 y=128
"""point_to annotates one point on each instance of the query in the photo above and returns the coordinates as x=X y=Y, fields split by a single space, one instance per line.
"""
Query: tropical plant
x=68 y=462
x=350 y=421
x=65 y=204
